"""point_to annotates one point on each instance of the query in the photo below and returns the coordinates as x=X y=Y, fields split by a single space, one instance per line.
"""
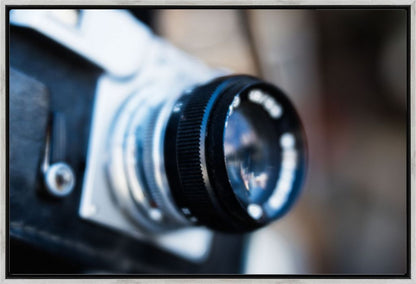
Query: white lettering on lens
x=267 y=102
x=287 y=172
x=255 y=211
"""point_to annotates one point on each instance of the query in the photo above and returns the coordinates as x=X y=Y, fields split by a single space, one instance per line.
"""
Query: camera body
x=124 y=146
x=120 y=119
x=89 y=96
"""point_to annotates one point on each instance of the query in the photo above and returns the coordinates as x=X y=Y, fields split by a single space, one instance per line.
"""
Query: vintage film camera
x=130 y=156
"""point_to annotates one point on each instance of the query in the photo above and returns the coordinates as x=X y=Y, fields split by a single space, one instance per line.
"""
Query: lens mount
x=234 y=154
x=135 y=166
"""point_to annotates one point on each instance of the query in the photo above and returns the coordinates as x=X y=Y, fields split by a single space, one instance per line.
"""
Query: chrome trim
x=112 y=39
x=163 y=73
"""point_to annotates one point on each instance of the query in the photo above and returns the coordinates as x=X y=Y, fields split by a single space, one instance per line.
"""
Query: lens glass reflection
x=251 y=153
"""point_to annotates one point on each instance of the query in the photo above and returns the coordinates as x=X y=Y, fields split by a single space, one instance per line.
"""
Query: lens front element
x=251 y=156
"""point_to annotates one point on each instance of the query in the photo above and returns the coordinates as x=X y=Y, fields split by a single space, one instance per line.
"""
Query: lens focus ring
x=204 y=182
x=184 y=156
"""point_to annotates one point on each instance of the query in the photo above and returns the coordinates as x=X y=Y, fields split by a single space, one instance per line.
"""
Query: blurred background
x=345 y=71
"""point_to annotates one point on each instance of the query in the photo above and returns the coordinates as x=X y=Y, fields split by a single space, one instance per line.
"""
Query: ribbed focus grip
x=185 y=157
x=194 y=156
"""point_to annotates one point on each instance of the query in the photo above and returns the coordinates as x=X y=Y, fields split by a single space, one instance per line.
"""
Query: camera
x=139 y=151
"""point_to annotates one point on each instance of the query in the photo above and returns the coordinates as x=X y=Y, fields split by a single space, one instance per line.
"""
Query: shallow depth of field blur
x=345 y=71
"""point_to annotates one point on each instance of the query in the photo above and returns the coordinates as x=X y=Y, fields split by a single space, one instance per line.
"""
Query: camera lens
x=234 y=154
x=251 y=156
x=228 y=154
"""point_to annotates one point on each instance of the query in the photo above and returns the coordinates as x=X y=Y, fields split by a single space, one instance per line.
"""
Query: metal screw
x=59 y=179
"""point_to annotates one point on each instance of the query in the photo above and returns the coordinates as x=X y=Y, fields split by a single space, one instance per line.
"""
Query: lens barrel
x=234 y=153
